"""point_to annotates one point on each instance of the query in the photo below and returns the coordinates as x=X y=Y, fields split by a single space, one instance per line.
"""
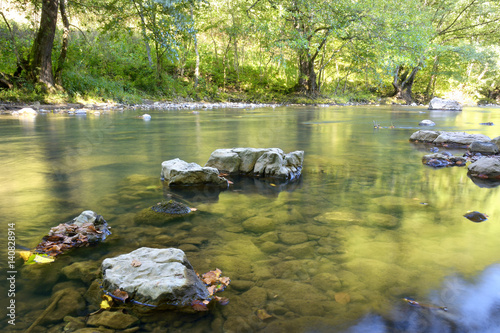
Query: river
x=366 y=226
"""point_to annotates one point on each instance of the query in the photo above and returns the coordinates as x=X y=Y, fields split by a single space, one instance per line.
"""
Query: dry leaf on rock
x=120 y=294
x=136 y=263
x=263 y=315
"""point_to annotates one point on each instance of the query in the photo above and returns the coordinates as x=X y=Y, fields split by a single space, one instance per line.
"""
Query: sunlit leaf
x=43 y=259
x=342 y=298
x=263 y=315
x=25 y=255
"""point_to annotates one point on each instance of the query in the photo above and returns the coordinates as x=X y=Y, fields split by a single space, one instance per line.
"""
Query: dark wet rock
x=73 y=323
x=162 y=212
x=112 y=319
x=241 y=285
x=164 y=277
x=476 y=216
x=485 y=168
x=444 y=104
x=487 y=124
x=427 y=122
x=94 y=330
x=485 y=148
x=438 y=160
x=85 y=271
x=177 y=172
x=259 y=162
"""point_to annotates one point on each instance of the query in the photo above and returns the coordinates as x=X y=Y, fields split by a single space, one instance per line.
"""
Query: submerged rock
x=162 y=212
x=156 y=277
x=116 y=320
x=444 y=104
x=177 y=172
x=258 y=162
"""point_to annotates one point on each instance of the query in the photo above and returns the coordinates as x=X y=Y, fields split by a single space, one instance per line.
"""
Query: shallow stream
x=365 y=226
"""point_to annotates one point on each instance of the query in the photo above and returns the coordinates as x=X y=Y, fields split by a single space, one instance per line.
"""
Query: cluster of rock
x=483 y=152
x=254 y=162
x=198 y=105
x=444 y=104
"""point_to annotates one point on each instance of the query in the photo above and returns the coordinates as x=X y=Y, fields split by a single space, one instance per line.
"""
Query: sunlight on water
x=365 y=226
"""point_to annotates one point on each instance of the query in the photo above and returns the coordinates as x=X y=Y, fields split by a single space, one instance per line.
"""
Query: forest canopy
x=255 y=50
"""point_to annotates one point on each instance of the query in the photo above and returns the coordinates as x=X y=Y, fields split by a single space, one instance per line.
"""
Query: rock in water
x=475 y=216
x=163 y=279
x=444 y=104
x=177 y=172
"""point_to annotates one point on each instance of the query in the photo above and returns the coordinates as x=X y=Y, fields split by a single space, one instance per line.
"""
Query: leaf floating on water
x=43 y=259
x=194 y=209
x=342 y=298
x=120 y=294
x=263 y=315
x=475 y=216
x=136 y=263
x=25 y=255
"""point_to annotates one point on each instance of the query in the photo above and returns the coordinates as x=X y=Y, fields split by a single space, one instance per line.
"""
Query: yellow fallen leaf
x=342 y=298
x=263 y=315
x=106 y=302
x=43 y=260
x=25 y=255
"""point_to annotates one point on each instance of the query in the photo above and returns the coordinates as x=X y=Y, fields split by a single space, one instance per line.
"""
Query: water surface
x=365 y=226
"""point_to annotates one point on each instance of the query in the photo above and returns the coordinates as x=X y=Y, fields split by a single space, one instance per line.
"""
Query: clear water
x=366 y=225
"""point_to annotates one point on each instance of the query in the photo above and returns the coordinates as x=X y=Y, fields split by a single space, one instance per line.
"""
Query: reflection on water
x=472 y=306
x=365 y=226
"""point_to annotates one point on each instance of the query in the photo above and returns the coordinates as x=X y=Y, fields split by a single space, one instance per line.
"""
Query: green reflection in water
x=366 y=220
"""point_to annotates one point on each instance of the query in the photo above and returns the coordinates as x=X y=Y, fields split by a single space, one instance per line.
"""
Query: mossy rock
x=161 y=213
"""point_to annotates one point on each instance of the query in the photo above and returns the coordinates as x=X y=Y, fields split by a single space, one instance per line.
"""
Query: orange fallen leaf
x=120 y=294
x=199 y=305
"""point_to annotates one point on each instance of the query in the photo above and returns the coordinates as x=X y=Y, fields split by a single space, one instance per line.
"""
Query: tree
x=40 y=63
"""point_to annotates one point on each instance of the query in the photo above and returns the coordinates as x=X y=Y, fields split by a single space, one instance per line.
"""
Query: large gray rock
x=158 y=277
x=177 y=172
x=485 y=148
x=444 y=104
x=424 y=136
x=448 y=138
x=259 y=162
x=460 y=138
x=485 y=168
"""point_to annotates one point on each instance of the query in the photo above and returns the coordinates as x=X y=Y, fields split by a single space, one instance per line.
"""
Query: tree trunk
x=65 y=42
x=41 y=52
x=307 y=82
x=403 y=83
x=429 y=91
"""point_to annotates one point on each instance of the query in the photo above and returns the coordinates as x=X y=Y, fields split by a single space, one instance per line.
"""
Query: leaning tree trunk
x=41 y=52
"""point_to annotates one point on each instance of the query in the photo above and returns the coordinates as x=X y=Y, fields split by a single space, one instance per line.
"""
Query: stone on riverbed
x=157 y=277
x=444 y=104
x=438 y=160
x=177 y=172
x=259 y=162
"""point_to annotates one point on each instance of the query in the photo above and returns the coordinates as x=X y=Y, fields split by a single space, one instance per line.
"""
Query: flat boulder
x=444 y=104
x=159 y=278
x=448 y=138
x=258 y=162
x=177 y=172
